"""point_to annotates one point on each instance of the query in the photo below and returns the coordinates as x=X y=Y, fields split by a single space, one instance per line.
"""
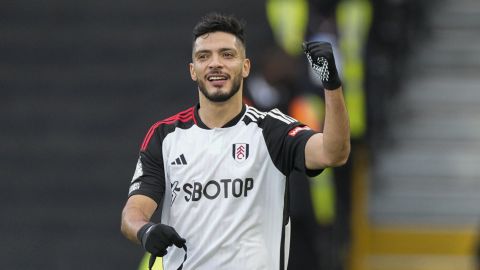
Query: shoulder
x=184 y=119
x=254 y=115
x=272 y=117
x=185 y=116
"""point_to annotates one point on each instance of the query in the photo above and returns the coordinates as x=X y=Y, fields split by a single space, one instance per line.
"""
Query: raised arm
x=332 y=147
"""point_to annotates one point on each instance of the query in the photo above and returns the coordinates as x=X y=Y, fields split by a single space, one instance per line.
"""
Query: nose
x=215 y=62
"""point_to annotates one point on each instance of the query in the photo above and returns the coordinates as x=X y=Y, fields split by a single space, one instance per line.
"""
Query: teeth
x=215 y=78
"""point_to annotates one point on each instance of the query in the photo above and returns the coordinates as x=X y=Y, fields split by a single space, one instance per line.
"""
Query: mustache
x=217 y=73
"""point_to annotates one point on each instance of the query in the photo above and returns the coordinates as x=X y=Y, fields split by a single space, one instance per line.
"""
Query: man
x=218 y=170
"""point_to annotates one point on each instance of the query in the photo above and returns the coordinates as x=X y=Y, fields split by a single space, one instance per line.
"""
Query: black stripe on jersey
x=251 y=117
x=286 y=217
x=255 y=110
x=275 y=113
x=282 y=250
x=254 y=115
x=257 y=113
x=284 y=120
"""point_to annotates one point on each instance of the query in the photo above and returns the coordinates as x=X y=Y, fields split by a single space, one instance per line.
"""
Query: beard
x=218 y=96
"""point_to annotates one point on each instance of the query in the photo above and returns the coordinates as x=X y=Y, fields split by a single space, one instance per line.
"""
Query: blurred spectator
x=288 y=21
x=370 y=39
x=272 y=85
x=346 y=25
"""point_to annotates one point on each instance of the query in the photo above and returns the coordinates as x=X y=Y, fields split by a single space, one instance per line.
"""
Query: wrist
x=333 y=84
x=141 y=234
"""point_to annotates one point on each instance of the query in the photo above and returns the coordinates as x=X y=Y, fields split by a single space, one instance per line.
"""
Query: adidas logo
x=180 y=160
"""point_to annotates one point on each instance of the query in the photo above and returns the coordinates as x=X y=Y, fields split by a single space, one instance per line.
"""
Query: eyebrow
x=219 y=50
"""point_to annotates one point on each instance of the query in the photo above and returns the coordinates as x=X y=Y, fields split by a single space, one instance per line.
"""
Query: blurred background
x=82 y=81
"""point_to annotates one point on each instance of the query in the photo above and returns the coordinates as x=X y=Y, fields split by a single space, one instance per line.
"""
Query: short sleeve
x=149 y=176
x=286 y=139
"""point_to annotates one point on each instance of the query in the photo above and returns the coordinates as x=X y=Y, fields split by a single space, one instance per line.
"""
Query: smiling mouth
x=217 y=77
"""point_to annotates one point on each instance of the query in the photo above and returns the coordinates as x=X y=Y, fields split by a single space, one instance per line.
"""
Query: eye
x=228 y=55
x=202 y=56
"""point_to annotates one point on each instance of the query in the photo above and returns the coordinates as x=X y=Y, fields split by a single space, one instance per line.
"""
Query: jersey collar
x=230 y=123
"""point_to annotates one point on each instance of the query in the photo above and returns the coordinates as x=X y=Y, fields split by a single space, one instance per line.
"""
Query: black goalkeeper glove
x=156 y=238
x=320 y=56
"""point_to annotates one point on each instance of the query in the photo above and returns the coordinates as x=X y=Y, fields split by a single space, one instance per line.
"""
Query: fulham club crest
x=240 y=151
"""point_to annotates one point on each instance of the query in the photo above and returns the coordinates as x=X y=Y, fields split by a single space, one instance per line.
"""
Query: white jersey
x=224 y=189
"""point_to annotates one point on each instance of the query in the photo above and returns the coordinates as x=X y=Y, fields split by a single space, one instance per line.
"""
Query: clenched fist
x=320 y=56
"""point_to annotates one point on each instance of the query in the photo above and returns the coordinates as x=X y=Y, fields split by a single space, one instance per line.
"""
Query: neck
x=217 y=114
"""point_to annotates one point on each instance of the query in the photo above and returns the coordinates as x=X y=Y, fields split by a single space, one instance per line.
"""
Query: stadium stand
x=422 y=206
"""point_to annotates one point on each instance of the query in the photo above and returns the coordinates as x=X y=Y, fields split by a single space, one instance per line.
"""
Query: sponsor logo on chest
x=209 y=190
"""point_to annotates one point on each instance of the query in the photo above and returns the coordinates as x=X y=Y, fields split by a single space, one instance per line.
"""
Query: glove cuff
x=142 y=231
x=333 y=84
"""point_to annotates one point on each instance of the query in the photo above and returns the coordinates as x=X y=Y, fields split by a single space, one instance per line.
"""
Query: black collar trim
x=230 y=123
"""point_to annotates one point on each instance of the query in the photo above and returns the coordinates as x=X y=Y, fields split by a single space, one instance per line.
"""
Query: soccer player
x=218 y=170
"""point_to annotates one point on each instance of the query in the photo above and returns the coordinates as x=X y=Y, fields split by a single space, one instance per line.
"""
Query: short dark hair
x=214 y=22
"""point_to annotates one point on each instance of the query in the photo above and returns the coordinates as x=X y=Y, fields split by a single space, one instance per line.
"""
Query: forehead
x=216 y=40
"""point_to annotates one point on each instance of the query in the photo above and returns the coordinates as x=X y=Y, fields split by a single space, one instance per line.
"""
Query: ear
x=246 y=68
x=193 y=75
